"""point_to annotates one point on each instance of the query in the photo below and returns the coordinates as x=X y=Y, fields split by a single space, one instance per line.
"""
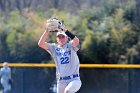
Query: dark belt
x=69 y=77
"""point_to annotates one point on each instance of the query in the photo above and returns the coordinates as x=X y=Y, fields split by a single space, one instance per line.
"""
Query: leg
x=6 y=86
x=73 y=86
x=61 y=87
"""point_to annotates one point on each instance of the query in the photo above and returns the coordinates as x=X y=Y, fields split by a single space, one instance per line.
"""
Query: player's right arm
x=42 y=40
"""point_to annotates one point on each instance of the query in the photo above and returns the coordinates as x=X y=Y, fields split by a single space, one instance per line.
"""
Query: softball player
x=5 y=73
x=64 y=53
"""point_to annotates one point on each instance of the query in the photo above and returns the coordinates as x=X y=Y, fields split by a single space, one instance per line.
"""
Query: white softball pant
x=6 y=85
x=68 y=86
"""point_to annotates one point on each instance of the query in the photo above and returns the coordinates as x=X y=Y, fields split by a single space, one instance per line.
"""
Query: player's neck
x=62 y=45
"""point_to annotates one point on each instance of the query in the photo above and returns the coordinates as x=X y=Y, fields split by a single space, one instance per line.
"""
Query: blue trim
x=69 y=77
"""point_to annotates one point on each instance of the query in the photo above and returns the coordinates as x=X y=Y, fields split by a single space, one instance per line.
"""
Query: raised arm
x=42 y=40
x=75 y=40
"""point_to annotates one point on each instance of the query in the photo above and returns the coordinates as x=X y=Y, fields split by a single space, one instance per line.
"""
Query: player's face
x=61 y=39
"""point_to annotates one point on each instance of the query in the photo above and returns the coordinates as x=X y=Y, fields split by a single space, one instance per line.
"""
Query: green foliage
x=87 y=46
x=94 y=47
x=22 y=32
x=105 y=31
x=113 y=34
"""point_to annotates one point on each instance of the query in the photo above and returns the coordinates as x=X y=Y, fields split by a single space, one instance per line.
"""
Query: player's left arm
x=75 y=41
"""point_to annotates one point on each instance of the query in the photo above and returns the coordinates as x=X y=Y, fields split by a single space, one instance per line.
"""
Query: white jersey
x=66 y=59
x=5 y=73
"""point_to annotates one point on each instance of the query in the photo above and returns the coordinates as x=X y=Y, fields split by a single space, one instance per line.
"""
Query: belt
x=69 y=77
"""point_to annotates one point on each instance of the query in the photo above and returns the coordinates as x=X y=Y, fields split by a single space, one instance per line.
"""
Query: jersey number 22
x=64 y=60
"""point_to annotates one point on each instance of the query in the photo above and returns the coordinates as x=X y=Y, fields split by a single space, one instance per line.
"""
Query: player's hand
x=57 y=76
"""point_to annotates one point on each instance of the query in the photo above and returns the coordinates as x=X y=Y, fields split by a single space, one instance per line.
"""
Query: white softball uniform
x=67 y=67
x=5 y=74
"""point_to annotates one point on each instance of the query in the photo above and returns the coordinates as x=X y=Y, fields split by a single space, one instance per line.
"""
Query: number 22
x=64 y=60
